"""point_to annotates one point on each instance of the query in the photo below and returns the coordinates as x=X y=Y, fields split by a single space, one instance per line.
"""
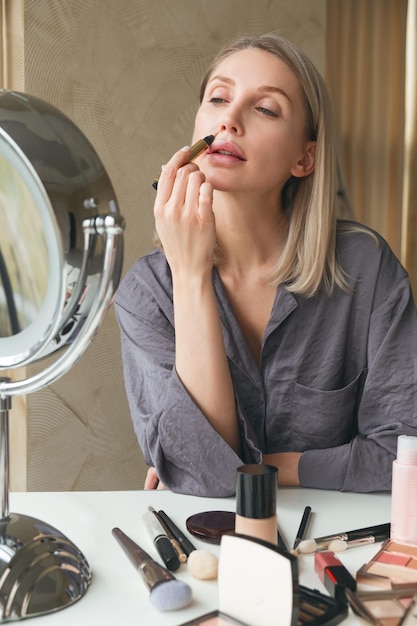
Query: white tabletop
x=118 y=596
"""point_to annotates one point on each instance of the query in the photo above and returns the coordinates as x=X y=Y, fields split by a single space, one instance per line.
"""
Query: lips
x=227 y=149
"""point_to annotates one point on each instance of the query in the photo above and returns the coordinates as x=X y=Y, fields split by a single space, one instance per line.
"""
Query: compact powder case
x=258 y=586
x=211 y=525
x=393 y=567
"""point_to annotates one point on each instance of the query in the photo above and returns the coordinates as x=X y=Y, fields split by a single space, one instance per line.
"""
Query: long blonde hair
x=309 y=256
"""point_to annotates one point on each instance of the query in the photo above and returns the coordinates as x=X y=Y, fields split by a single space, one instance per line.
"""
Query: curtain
x=11 y=49
x=366 y=75
x=409 y=232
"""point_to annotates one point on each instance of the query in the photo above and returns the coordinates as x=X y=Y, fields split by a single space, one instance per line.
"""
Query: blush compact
x=394 y=566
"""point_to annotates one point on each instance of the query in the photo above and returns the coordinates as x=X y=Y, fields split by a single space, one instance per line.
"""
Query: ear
x=306 y=164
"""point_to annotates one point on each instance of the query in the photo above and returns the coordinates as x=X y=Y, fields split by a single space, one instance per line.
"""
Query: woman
x=263 y=330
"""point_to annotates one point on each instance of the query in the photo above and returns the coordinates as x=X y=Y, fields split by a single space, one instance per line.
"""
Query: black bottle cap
x=167 y=553
x=256 y=490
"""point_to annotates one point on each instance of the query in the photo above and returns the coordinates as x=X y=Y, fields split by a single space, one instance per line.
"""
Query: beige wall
x=127 y=73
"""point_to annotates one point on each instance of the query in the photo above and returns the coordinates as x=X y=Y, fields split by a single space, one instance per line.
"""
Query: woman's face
x=255 y=102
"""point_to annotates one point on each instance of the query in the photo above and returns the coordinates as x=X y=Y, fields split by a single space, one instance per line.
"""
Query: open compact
x=385 y=608
x=392 y=572
x=393 y=566
x=258 y=583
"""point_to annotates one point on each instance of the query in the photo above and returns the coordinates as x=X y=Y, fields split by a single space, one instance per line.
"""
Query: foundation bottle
x=404 y=491
x=256 y=489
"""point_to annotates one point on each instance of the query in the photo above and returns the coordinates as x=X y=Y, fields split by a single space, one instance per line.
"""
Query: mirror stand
x=41 y=569
x=61 y=256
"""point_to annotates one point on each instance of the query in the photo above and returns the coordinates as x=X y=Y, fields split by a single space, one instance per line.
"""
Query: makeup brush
x=339 y=545
x=166 y=592
x=377 y=533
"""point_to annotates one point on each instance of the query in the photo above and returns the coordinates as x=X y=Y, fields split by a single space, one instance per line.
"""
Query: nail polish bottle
x=256 y=489
x=404 y=491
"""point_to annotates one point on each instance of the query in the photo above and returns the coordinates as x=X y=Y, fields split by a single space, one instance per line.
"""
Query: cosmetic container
x=256 y=489
x=404 y=491
x=333 y=574
x=258 y=585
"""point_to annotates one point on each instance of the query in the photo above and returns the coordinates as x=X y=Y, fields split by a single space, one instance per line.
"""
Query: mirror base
x=41 y=570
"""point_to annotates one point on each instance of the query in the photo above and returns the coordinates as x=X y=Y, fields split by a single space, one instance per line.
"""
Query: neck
x=250 y=233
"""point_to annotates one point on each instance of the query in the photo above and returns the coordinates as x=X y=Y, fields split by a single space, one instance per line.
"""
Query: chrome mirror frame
x=64 y=194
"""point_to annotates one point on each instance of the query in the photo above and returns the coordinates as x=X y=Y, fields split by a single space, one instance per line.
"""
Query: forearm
x=200 y=355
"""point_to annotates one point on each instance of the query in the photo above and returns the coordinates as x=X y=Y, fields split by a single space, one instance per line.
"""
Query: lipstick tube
x=196 y=149
x=161 y=541
x=333 y=574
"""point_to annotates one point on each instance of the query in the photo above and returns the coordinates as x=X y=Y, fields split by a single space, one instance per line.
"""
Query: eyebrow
x=261 y=88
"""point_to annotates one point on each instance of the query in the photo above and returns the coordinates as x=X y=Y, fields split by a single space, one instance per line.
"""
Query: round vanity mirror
x=58 y=213
x=61 y=255
x=31 y=259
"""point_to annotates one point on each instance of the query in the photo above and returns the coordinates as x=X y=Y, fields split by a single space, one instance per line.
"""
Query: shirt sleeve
x=174 y=435
x=388 y=405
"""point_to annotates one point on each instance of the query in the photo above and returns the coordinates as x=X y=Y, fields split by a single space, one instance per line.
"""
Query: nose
x=231 y=122
x=225 y=126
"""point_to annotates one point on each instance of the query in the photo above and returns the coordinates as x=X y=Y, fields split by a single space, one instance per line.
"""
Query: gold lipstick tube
x=196 y=149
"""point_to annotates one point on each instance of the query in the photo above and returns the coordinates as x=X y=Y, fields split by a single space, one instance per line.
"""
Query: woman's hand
x=152 y=480
x=184 y=216
x=186 y=227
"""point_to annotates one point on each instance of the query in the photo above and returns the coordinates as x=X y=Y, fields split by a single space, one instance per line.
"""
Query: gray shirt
x=336 y=380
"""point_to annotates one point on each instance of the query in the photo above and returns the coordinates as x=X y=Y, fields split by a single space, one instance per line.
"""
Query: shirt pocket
x=324 y=419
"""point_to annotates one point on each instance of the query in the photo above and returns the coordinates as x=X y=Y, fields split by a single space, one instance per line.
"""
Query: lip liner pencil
x=195 y=150
x=303 y=526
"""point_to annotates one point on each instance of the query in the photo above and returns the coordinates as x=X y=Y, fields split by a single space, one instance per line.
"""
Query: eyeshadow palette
x=394 y=566
x=314 y=609
x=385 y=608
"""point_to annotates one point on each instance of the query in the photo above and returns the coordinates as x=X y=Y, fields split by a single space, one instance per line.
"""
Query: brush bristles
x=171 y=595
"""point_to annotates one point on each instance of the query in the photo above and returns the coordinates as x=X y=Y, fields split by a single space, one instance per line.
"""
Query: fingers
x=184 y=217
x=170 y=170
x=205 y=202
x=151 y=480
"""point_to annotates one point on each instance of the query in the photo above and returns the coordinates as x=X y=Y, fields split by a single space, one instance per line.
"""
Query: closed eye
x=216 y=100
x=266 y=111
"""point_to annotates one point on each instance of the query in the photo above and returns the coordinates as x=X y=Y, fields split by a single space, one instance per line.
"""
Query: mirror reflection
x=23 y=254
x=59 y=221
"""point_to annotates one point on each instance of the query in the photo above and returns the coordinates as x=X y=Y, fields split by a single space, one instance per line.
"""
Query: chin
x=220 y=184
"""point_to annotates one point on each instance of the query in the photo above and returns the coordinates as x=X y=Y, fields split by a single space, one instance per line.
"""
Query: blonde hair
x=309 y=256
